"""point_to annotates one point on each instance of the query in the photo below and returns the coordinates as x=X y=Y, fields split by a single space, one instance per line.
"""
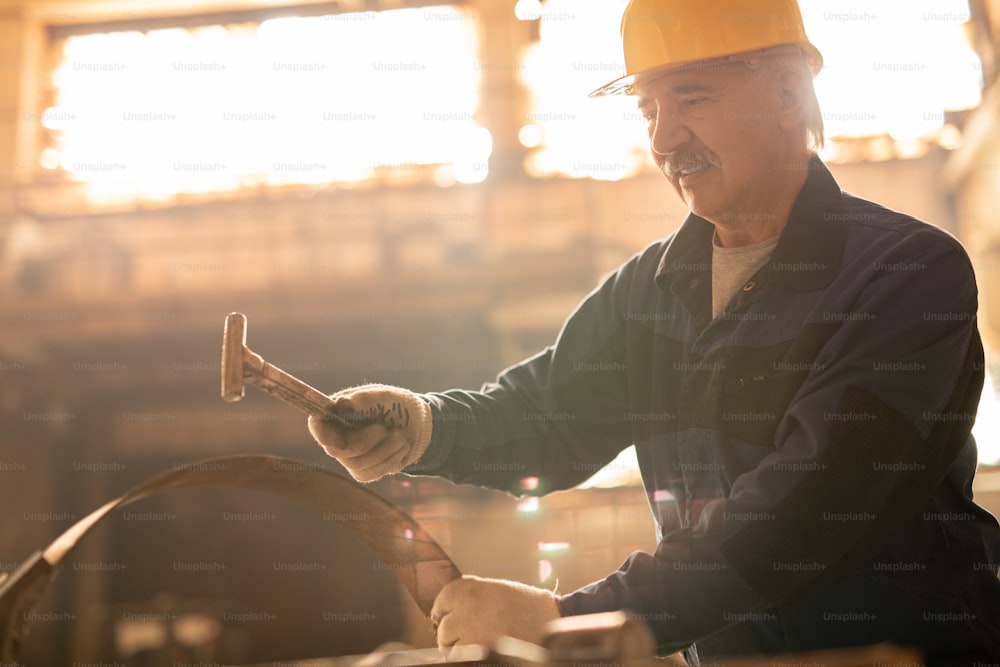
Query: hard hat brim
x=625 y=85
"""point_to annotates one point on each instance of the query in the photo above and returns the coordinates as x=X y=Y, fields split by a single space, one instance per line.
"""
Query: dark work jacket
x=807 y=454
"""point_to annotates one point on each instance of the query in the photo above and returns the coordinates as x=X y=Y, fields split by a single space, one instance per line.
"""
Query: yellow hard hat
x=659 y=35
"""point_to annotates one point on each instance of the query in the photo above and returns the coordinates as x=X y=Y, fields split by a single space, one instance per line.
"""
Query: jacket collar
x=809 y=250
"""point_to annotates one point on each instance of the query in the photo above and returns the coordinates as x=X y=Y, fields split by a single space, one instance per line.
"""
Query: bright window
x=573 y=135
x=294 y=100
x=893 y=67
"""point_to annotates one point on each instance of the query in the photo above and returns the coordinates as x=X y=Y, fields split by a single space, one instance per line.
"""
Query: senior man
x=807 y=365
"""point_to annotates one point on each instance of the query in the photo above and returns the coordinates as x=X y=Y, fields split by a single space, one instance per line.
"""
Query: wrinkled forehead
x=708 y=77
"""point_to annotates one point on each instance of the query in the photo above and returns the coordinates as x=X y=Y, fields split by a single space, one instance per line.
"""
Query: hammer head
x=234 y=340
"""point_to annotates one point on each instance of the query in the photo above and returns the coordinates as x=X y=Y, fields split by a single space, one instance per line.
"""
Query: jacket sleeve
x=867 y=438
x=556 y=416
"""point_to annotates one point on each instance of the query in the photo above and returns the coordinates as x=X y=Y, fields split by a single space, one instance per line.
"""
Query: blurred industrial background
x=398 y=191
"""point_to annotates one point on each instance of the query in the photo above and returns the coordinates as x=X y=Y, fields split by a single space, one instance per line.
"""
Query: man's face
x=714 y=133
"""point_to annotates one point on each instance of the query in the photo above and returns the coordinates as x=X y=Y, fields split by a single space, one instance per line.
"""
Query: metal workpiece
x=408 y=551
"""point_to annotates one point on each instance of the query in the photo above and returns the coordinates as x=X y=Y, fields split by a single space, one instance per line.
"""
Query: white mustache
x=685 y=159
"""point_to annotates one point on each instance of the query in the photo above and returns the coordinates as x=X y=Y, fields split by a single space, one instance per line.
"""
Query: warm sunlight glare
x=915 y=63
x=987 y=428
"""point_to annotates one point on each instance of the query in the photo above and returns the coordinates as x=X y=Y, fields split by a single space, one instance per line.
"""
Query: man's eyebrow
x=685 y=89
x=681 y=89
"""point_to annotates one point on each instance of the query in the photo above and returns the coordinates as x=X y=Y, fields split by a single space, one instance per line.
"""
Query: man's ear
x=793 y=97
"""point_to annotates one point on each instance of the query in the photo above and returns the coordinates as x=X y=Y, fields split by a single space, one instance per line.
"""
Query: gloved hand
x=395 y=433
x=473 y=610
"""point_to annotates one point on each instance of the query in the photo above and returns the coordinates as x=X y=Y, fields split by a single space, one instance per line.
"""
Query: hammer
x=240 y=364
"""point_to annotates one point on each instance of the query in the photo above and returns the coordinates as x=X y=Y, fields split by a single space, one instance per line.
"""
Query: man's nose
x=667 y=133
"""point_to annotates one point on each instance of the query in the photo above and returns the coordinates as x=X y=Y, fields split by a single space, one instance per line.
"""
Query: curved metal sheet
x=420 y=564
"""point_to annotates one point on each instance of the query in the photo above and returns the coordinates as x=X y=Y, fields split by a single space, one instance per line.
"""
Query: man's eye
x=694 y=101
x=648 y=116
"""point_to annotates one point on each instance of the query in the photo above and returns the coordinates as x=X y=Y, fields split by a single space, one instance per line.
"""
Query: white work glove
x=473 y=610
x=396 y=431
